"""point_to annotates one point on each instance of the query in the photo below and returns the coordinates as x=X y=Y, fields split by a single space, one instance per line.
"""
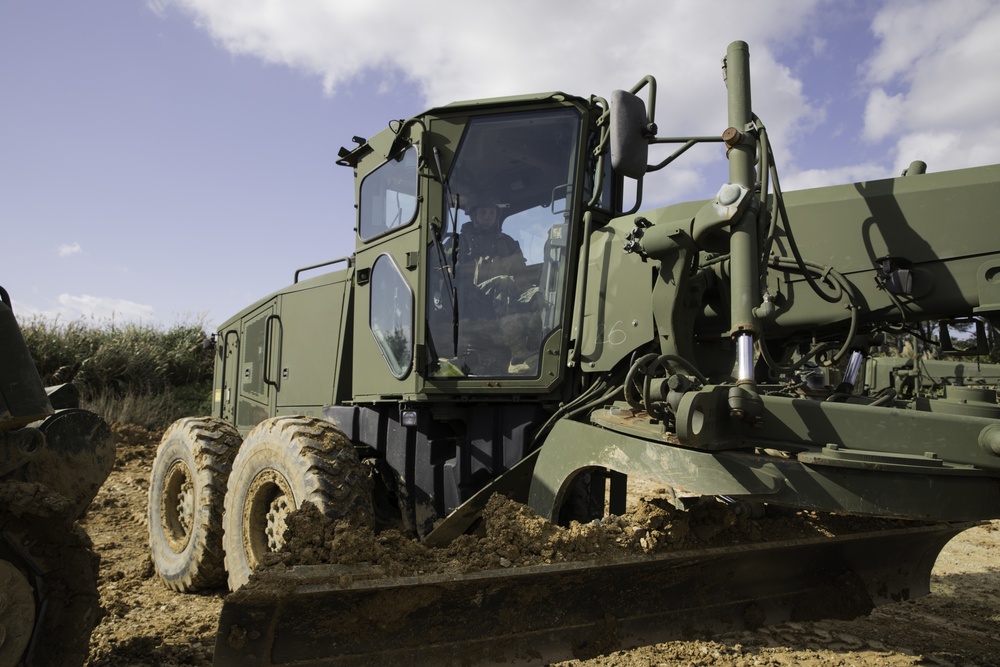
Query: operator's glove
x=500 y=288
x=529 y=295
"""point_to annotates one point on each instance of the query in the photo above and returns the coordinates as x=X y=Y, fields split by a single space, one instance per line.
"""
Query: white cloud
x=454 y=51
x=883 y=114
x=929 y=92
x=67 y=249
x=816 y=178
x=494 y=48
x=820 y=46
x=944 y=150
x=927 y=77
x=935 y=56
x=100 y=308
x=913 y=33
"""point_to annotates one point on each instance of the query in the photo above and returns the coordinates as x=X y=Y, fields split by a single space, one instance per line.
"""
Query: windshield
x=498 y=273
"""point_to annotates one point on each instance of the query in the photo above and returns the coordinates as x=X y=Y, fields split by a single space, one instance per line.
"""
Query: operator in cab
x=499 y=322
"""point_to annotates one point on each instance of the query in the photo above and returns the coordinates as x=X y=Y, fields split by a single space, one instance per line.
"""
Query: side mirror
x=972 y=343
x=629 y=134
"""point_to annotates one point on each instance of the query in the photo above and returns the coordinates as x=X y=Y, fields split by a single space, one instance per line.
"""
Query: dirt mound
x=515 y=536
x=958 y=624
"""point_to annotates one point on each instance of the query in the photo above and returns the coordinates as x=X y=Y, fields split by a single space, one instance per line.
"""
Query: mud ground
x=147 y=624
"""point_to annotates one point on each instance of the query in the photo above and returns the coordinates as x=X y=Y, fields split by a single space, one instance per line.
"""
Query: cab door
x=256 y=367
x=387 y=279
x=227 y=367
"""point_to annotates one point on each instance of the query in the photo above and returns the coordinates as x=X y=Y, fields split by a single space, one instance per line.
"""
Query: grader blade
x=332 y=615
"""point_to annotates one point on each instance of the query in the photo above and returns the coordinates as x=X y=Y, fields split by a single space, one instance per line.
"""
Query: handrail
x=320 y=265
x=225 y=365
x=267 y=348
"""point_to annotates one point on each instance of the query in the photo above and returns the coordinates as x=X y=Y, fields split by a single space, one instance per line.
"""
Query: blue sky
x=173 y=160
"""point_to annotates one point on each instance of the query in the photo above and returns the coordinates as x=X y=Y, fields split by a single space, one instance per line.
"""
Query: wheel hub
x=177 y=506
x=276 y=522
x=269 y=501
x=185 y=509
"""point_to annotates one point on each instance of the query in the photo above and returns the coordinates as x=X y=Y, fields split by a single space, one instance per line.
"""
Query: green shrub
x=130 y=373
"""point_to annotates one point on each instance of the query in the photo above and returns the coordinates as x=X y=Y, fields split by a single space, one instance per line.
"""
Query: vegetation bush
x=131 y=373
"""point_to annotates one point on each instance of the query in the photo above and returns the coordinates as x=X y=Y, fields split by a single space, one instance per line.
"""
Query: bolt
x=732 y=137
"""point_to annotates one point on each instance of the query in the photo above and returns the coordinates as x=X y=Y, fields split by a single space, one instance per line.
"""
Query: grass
x=130 y=373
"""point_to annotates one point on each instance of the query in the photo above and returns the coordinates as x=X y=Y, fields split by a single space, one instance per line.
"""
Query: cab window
x=388 y=198
x=391 y=316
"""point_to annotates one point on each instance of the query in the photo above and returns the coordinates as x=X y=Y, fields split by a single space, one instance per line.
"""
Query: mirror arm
x=688 y=143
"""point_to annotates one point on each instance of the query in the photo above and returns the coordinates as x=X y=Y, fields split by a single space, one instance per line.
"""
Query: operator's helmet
x=486 y=199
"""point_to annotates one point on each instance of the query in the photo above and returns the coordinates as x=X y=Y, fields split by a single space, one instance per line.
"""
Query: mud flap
x=332 y=615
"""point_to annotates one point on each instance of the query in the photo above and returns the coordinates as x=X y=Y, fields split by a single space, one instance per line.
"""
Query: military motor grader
x=718 y=346
x=53 y=459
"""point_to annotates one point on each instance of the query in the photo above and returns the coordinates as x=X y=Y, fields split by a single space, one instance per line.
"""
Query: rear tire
x=284 y=462
x=186 y=494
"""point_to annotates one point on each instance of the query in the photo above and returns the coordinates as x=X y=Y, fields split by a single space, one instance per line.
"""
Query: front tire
x=186 y=494
x=284 y=462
